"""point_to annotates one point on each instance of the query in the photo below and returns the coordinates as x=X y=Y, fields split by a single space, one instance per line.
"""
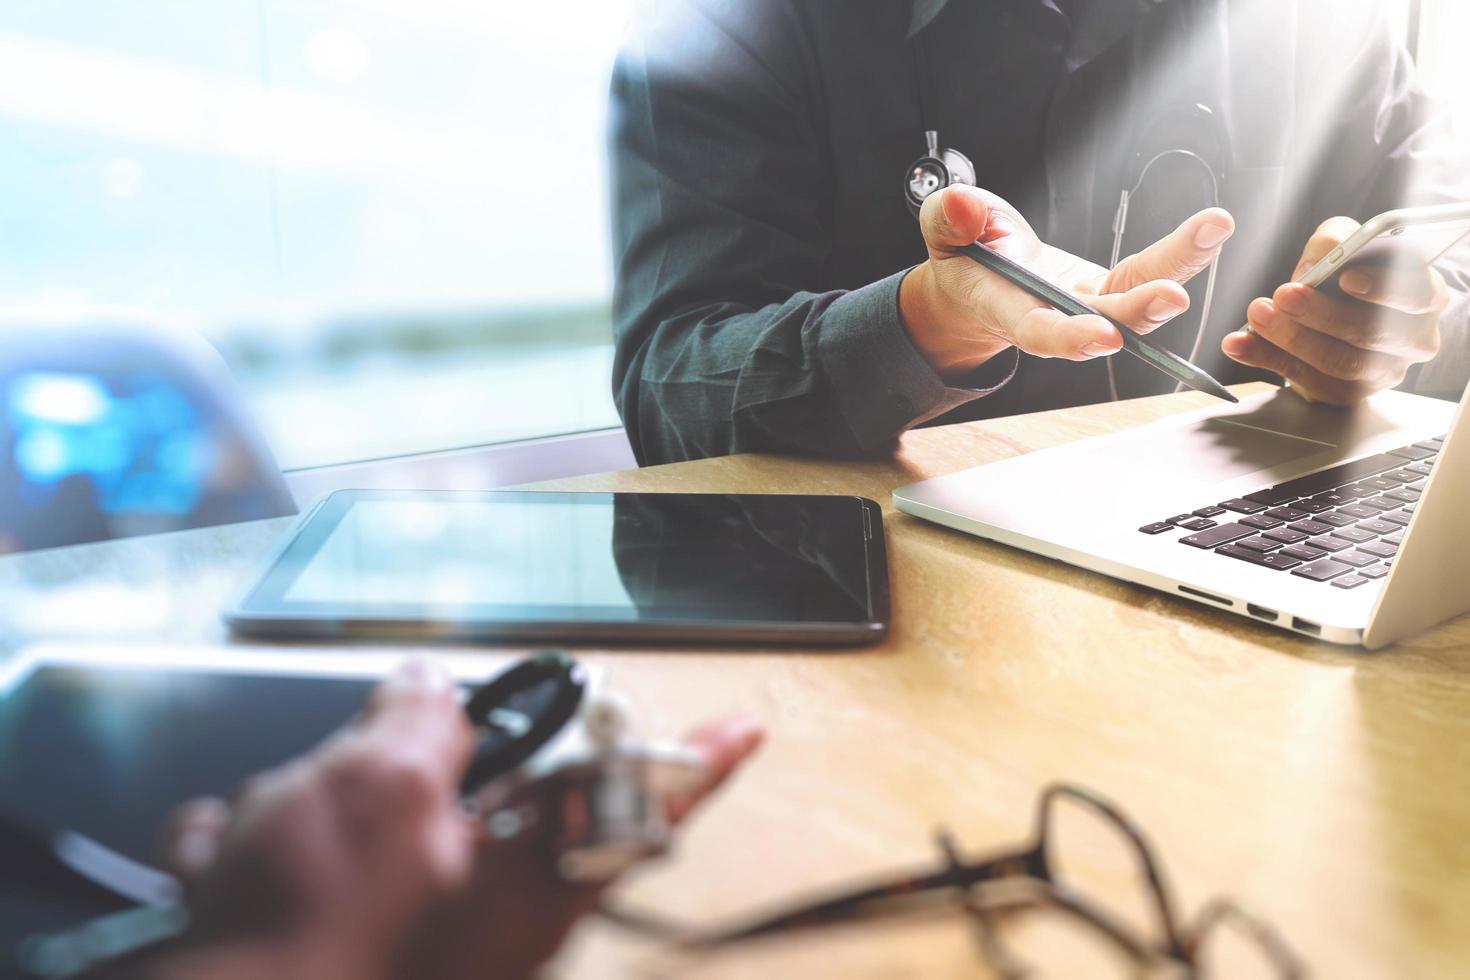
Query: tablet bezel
x=357 y=665
x=258 y=611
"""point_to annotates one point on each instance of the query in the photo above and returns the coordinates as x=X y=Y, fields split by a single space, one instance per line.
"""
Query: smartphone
x=1409 y=238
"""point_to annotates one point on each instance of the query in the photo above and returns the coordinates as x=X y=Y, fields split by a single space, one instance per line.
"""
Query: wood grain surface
x=1324 y=788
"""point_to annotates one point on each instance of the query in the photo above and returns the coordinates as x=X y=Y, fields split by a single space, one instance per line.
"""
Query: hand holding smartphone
x=1405 y=239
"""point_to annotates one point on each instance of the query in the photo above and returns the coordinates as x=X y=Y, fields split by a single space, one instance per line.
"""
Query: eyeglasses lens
x=1094 y=860
x=1047 y=943
x=1236 y=946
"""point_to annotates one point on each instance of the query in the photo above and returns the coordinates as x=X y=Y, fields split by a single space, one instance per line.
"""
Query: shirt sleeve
x=726 y=339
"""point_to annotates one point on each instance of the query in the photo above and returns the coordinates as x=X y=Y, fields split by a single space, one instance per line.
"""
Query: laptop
x=1348 y=525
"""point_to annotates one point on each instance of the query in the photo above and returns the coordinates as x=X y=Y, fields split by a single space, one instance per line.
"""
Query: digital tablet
x=105 y=740
x=515 y=565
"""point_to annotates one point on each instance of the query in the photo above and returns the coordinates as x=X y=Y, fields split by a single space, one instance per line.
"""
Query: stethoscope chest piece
x=559 y=760
x=519 y=711
x=935 y=170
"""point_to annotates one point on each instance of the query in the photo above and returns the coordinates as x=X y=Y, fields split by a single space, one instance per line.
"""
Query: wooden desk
x=1323 y=787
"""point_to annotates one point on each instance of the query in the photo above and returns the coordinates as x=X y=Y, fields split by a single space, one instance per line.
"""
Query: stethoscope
x=940 y=167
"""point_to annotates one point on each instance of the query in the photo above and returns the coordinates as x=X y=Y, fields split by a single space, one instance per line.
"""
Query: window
x=1444 y=26
x=389 y=216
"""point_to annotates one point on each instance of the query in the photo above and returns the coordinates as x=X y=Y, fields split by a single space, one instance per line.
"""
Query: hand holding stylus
x=961 y=315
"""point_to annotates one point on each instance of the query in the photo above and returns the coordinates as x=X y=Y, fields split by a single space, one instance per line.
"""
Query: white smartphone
x=1407 y=238
x=1404 y=239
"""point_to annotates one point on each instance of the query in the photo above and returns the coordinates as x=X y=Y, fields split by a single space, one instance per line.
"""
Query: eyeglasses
x=1037 y=876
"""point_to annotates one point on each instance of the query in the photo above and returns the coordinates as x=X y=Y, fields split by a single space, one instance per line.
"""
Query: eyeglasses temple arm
x=835 y=908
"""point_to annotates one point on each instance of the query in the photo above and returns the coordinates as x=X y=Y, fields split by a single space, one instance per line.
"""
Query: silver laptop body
x=1098 y=503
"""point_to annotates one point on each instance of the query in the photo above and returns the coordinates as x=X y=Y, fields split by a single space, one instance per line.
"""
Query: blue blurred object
x=110 y=430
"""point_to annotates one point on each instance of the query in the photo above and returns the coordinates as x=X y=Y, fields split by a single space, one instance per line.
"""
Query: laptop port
x=1205 y=595
x=1261 y=612
x=1297 y=623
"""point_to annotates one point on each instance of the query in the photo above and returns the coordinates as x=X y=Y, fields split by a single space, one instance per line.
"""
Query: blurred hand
x=960 y=314
x=1341 y=349
x=359 y=861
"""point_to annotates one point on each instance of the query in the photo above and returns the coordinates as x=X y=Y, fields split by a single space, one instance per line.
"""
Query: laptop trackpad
x=1212 y=450
x=1258 y=434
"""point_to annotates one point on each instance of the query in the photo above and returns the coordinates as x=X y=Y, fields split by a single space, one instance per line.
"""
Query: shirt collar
x=923 y=12
x=1103 y=24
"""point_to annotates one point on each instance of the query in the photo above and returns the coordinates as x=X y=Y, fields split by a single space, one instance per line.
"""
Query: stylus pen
x=1170 y=363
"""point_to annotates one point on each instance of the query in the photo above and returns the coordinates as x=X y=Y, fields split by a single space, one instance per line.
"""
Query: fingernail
x=1162 y=309
x=1355 y=281
x=1235 y=339
x=1098 y=350
x=1210 y=235
x=422 y=672
x=196 y=847
x=1259 y=310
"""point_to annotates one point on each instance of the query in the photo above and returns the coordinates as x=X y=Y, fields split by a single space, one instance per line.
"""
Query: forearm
x=829 y=373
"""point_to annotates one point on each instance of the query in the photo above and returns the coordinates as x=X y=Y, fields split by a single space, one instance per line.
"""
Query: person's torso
x=1059 y=124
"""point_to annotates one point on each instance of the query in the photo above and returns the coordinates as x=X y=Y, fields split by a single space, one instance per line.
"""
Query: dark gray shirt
x=760 y=232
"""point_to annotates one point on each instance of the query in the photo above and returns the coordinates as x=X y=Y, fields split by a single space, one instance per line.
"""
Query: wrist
x=942 y=332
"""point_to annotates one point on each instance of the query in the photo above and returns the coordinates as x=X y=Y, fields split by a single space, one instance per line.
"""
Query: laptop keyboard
x=1342 y=525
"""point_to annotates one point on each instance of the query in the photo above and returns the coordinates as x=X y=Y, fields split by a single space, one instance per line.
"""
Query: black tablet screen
x=108 y=751
x=578 y=557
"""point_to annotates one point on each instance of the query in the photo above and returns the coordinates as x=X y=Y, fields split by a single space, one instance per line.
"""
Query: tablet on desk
x=106 y=740
x=514 y=565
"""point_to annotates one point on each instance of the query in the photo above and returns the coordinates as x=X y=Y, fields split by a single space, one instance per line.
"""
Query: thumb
x=956 y=215
x=961 y=215
x=1330 y=234
x=724 y=746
